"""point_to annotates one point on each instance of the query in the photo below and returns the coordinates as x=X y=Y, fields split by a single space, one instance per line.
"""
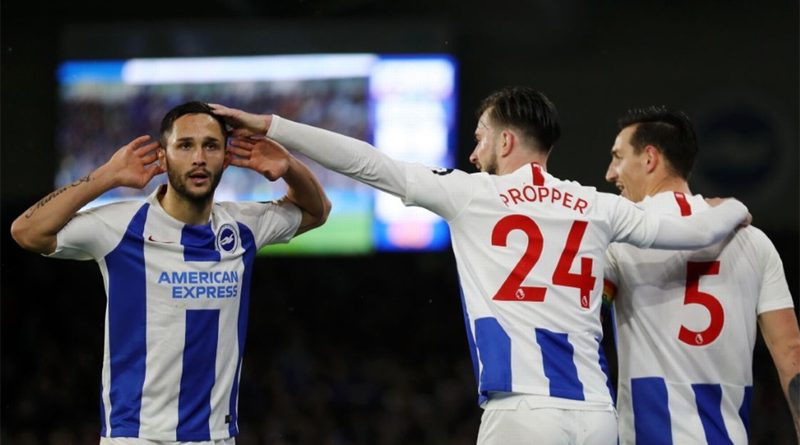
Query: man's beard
x=178 y=183
x=491 y=165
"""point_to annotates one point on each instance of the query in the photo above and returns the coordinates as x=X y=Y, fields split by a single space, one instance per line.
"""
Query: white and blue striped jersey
x=529 y=249
x=176 y=315
x=686 y=325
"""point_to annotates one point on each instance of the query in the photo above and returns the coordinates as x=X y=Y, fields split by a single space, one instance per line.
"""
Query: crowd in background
x=366 y=350
x=95 y=120
x=341 y=350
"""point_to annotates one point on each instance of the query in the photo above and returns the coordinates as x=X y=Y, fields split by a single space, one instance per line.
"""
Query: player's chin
x=200 y=192
x=201 y=195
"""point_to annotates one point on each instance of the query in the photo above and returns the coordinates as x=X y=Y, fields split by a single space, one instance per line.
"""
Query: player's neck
x=185 y=210
x=668 y=183
x=513 y=163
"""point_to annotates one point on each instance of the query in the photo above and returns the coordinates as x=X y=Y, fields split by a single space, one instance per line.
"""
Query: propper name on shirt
x=540 y=193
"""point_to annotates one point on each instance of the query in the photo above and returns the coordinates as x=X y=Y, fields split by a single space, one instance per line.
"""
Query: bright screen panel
x=402 y=104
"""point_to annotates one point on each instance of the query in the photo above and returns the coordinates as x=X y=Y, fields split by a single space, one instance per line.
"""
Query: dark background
x=371 y=350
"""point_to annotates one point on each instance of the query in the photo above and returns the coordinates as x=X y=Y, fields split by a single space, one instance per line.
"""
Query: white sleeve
x=629 y=224
x=348 y=156
x=445 y=192
x=700 y=229
x=93 y=233
x=645 y=229
x=441 y=191
x=775 y=292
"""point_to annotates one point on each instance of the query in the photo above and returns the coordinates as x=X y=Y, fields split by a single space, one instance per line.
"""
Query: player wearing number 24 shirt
x=686 y=320
x=177 y=270
x=529 y=251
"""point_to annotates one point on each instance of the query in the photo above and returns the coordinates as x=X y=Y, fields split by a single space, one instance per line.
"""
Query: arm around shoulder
x=701 y=229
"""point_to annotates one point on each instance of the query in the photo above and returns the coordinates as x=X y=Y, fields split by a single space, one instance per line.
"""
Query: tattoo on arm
x=794 y=394
x=42 y=202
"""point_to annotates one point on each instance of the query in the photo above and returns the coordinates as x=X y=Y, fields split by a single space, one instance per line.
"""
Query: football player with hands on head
x=529 y=248
x=177 y=269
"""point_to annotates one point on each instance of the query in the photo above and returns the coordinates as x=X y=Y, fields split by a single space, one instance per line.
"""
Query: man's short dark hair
x=528 y=111
x=669 y=131
x=193 y=107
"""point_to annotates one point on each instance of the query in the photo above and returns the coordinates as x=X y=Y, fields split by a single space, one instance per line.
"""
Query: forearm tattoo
x=794 y=394
x=42 y=202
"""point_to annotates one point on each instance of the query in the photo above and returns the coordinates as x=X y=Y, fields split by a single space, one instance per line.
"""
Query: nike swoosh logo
x=151 y=239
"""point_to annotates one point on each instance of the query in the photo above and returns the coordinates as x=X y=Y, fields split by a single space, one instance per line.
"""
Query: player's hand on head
x=244 y=133
x=713 y=202
x=261 y=154
x=242 y=120
x=136 y=163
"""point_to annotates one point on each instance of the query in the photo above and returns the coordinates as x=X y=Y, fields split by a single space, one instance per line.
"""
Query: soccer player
x=686 y=321
x=529 y=251
x=177 y=271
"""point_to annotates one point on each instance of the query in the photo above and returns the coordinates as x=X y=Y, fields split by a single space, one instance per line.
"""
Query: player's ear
x=228 y=155
x=652 y=157
x=507 y=140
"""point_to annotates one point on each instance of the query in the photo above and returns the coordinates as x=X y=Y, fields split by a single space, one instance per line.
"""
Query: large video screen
x=402 y=104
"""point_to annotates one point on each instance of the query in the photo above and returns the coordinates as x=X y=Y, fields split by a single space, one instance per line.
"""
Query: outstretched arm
x=337 y=152
x=270 y=159
x=782 y=337
x=133 y=165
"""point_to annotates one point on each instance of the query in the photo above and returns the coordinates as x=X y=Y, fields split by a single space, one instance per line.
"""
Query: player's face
x=195 y=156
x=484 y=156
x=627 y=169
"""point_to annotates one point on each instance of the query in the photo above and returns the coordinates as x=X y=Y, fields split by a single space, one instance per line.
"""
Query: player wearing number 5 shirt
x=529 y=251
x=686 y=321
x=177 y=271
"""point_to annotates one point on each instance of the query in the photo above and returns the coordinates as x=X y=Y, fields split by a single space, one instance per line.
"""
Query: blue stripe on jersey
x=494 y=351
x=473 y=351
x=604 y=366
x=612 y=313
x=651 y=419
x=199 y=243
x=102 y=413
x=250 y=248
x=127 y=318
x=559 y=364
x=744 y=410
x=708 y=398
x=199 y=369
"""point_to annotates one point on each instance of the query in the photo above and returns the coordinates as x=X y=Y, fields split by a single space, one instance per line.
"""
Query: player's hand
x=136 y=163
x=261 y=154
x=244 y=123
x=713 y=202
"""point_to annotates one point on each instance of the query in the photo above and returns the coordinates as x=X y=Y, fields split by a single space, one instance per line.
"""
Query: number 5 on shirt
x=511 y=289
x=692 y=295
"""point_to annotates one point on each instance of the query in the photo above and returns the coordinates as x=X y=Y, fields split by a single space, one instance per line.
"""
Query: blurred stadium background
x=371 y=349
